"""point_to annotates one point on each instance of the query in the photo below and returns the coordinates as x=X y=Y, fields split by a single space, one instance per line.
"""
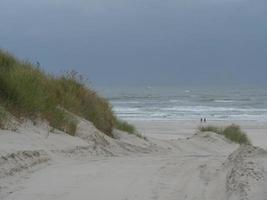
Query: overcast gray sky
x=141 y=41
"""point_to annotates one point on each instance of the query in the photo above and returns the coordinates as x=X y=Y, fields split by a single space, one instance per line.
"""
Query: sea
x=187 y=103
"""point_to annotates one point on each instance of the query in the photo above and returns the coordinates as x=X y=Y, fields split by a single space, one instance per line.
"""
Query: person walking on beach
x=201 y=120
x=205 y=120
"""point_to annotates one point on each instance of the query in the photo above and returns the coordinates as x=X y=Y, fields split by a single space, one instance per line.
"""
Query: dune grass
x=125 y=126
x=2 y=117
x=26 y=91
x=129 y=128
x=232 y=132
x=209 y=128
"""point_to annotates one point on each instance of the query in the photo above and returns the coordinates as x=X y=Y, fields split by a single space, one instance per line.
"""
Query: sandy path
x=156 y=176
x=197 y=167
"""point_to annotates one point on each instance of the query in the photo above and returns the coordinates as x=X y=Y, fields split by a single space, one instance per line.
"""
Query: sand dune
x=92 y=166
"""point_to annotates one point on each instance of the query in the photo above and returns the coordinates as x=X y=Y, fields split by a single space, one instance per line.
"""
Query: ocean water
x=188 y=103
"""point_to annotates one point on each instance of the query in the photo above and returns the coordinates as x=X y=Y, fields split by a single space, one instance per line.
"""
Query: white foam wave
x=208 y=109
x=224 y=101
x=125 y=109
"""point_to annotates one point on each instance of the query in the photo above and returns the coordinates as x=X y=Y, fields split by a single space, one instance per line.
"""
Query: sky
x=141 y=42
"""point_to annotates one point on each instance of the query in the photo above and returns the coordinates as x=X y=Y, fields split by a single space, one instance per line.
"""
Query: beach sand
x=175 y=163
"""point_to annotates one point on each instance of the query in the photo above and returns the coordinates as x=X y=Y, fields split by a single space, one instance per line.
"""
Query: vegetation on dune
x=232 y=132
x=2 y=117
x=125 y=126
x=209 y=128
x=28 y=92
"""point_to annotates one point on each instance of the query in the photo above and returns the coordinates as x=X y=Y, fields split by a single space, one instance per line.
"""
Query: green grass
x=26 y=91
x=63 y=121
x=3 y=117
x=232 y=132
x=124 y=126
x=214 y=129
